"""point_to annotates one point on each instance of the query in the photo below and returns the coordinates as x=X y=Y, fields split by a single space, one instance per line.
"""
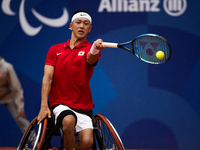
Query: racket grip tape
x=108 y=44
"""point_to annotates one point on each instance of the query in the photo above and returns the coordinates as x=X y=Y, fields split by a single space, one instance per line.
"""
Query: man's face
x=80 y=27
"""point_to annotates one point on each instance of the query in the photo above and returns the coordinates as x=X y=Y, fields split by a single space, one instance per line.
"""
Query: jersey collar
x=85 y=43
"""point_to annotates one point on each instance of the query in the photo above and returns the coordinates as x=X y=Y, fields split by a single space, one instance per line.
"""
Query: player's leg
x=68 y=125
x=85 y=140
x=67 y=119
x=71 y=120
x=84 y=128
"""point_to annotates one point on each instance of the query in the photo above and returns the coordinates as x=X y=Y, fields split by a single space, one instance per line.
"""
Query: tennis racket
x=150 y=48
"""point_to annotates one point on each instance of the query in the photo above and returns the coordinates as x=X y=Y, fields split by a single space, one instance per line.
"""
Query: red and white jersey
x=72 y=74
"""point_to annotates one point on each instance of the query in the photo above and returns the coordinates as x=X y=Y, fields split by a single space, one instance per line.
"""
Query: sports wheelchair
x=39 y=137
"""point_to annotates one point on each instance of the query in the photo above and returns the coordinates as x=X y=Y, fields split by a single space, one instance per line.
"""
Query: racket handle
x=108 y=44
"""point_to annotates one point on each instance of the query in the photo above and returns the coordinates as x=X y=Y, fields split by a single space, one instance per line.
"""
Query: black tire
x=107 y=136
x=34 y=136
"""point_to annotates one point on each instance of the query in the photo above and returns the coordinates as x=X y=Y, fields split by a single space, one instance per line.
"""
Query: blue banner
x=151 y=106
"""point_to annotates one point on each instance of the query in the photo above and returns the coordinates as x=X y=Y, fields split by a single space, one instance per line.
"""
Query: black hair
x=81 y=10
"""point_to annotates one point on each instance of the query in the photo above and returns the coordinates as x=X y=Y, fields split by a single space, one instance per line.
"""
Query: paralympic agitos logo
x=172 y=7
x=26 y=27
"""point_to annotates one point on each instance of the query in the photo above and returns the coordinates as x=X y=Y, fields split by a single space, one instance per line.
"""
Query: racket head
x=146 y=46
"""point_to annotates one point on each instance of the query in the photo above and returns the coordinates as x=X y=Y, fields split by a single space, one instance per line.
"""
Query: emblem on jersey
x=81 y=53
x=58 y=54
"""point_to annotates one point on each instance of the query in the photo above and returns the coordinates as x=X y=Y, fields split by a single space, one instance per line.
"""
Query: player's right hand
x=98 y=44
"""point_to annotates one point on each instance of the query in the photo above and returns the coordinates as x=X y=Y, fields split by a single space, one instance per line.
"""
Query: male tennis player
x=67 y=72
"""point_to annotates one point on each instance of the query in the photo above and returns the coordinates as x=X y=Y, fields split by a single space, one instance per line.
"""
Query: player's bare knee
x=68 y=123
x=87 y=142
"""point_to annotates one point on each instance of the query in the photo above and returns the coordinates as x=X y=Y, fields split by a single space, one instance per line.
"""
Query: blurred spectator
x=11 y=94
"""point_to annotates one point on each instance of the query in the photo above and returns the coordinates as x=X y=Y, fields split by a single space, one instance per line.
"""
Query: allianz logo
x=172 y=7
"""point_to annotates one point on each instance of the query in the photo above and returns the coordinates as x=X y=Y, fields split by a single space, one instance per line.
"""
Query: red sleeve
x=51 y=56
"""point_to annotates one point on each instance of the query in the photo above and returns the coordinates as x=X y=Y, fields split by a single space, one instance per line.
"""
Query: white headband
x=81 y=15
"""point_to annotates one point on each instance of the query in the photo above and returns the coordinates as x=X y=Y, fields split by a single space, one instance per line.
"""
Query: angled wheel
x=34 y=136
x=107 y=136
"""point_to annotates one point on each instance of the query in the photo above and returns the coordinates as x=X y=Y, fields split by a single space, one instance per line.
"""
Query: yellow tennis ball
x=160 y=54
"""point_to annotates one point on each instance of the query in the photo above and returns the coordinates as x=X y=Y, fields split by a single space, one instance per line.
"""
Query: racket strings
x=146 y=48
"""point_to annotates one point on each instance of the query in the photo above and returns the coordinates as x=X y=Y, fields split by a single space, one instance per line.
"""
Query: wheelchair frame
x=36 y=138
